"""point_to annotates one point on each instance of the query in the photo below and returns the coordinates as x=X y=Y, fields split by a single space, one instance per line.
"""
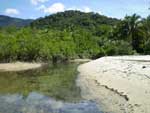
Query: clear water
x=48 y=90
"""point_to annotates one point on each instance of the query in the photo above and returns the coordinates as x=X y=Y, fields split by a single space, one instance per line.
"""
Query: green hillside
x=73 y=19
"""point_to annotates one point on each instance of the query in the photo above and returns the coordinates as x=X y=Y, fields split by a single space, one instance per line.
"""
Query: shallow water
x=48 y=90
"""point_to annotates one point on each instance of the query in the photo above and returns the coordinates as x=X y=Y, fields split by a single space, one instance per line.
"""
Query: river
x=51 y=89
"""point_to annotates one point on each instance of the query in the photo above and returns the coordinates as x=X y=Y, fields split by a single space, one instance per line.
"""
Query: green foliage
x=74 y=34
x=118 y=48
x=73 y=20
x=131 y=30
x=39 y=45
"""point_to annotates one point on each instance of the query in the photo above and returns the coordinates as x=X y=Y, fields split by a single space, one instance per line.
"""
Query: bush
x=147 y=47
x=118 y=48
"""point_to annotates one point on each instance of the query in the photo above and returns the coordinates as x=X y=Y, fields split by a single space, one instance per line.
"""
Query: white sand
x=119 y=84
x=18 y=66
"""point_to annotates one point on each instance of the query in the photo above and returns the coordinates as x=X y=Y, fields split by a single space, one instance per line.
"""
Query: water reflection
x=57 y=81
x=38 y=103
x=48 y=90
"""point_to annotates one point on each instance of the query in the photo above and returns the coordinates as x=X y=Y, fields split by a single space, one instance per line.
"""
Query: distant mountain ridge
x=12 y=21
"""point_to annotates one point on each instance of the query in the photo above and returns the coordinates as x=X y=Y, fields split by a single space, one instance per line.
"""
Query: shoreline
x=24 y=66
x=80 y=60
x=118 y=84
x=19 y=66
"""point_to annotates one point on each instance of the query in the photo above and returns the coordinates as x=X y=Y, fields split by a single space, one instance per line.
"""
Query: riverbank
x=19 y=66
x=23 y=66
x=118 y=84
x=80 y=60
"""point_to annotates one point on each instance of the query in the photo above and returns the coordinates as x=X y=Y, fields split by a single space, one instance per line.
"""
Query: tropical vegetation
x=74 y=34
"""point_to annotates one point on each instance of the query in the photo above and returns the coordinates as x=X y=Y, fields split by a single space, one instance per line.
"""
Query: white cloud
x=54 y=8
x=36 y=2
x=83 y=9
x=59 y=7
x=86 y=9
x=12 y=11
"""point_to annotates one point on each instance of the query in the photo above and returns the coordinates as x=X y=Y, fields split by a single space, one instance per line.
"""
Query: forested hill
x=73 y=19
x=11 y=21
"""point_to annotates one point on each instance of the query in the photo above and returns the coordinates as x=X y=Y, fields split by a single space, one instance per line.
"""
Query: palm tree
x=130 y=29
x=146 y=26
x=132 y=22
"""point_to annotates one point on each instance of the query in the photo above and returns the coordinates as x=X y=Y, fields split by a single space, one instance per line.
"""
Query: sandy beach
x=18 y=66
x=119 y=84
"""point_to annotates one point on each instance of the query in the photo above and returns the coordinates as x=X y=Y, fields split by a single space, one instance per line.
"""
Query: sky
x=32 y=9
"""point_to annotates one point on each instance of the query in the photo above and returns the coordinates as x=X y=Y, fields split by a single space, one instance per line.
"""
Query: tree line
x=72 y=34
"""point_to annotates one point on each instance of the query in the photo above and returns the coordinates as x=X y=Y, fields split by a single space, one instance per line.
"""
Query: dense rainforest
x=74 y=34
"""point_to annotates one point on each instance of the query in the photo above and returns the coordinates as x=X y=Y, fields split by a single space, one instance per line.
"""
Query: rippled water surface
x=48 y=90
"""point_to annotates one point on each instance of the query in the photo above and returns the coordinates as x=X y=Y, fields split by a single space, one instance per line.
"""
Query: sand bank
x=18 y=66
x=80 y=60
x=118 y=84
